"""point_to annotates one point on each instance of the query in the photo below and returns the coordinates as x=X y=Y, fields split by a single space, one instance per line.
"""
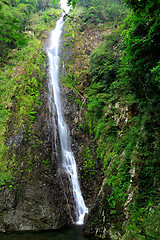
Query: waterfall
x=66 y=159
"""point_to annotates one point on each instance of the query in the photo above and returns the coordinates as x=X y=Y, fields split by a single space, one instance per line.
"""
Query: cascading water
x=68 y=164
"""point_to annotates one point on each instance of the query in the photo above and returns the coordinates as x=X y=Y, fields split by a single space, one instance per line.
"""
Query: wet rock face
x=36 y=208
x=98 y=221
x=74 y=115
x=34 y=199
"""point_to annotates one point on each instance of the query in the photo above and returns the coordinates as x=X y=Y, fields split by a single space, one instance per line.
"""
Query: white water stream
x=68 y=161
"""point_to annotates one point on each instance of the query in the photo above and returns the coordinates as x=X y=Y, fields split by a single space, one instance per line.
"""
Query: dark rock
x=34 y=199
x=98 y=221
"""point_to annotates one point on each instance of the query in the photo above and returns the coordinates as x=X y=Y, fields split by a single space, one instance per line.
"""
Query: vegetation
x=105 y=11
x=21 y=80
x=14 y=18
x=122 y=79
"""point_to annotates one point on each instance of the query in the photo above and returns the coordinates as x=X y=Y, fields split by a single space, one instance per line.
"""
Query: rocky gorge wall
x=31 y=201
x=116 y=164
x=31 y=192
x=33 y=198
x=110 y=167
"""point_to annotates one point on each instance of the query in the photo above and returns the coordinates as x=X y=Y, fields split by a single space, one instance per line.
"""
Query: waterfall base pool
x=72 y=233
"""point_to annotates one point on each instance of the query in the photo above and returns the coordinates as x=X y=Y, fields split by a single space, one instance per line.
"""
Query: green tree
x=141 y=51
x=14 y=17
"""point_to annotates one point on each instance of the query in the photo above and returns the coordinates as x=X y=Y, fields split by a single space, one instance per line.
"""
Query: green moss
x=21 y=83
x=124 y=126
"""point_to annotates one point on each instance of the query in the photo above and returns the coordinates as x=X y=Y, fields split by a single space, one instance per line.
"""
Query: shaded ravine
x=65 y=157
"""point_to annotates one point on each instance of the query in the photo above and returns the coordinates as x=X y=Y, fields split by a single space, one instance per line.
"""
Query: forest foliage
x=123 y=89
x=104 y=11
x=14 y=18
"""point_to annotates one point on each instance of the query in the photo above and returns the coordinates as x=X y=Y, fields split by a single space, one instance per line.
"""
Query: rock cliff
x=34 y=199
